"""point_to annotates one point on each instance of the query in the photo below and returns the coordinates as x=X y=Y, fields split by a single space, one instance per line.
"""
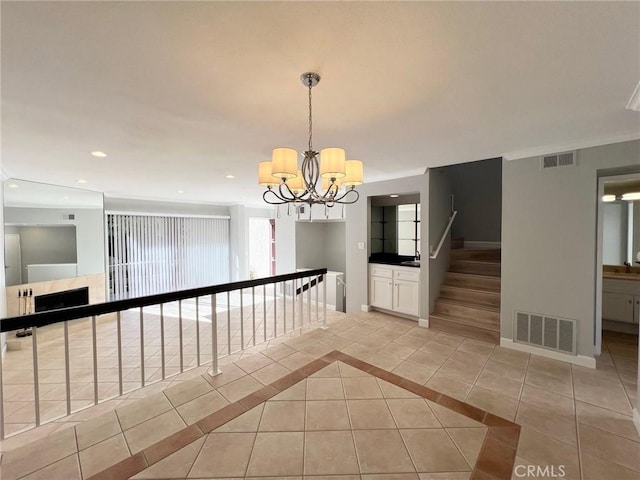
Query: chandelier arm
x=341 y=199
x=281 y=201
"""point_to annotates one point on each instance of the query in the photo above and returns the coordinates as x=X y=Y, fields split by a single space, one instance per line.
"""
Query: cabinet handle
x=630 y=301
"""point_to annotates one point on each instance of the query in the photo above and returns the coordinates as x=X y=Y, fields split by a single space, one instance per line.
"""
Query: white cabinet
x=621 y=300
x=395 y=288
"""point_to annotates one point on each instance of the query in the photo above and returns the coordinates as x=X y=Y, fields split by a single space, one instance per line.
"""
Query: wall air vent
x=564 y=159
x=548 y=332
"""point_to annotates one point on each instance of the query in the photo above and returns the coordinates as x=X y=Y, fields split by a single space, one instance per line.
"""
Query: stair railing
x=434 y=253
x=116 y=347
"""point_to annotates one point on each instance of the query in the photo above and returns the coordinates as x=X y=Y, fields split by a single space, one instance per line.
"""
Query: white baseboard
x=582 y=360
x=475 y=244
x=423 y=322
x=636 y=419
x=365 y=308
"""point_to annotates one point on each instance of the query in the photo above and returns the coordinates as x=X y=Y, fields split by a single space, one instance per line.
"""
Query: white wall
x=89 y=223
x=357 y=231
x=439 y=212
x=549 y=237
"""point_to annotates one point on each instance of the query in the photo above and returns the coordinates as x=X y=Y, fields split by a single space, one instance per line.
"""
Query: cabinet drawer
x=412 y=276
x=381 y=272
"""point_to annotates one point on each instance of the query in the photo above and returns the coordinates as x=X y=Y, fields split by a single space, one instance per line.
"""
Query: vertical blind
x=154 y=254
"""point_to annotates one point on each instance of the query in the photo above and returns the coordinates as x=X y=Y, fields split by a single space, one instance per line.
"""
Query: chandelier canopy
x=331 y=180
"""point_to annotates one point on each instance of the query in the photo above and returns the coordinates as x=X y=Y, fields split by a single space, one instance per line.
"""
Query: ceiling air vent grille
x=548 y=332
x=565 y=159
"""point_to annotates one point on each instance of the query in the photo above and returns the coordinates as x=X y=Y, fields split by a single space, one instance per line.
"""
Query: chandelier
x=327 y=182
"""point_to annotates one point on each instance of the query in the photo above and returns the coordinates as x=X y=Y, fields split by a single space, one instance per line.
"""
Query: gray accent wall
x=477 y=188
x=320 y=245
x=549 y=244
x=47 y=245
x=357 y=231
x=439 y=213
x=89 y=223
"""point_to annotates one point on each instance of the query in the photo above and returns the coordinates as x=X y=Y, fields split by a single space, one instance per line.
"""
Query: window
x=154 y=254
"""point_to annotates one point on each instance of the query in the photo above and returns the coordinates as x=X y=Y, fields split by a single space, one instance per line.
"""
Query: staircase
x=469 y=301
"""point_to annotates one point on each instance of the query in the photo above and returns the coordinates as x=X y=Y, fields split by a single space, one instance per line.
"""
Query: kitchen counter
x=399 y=261
x=621 y=272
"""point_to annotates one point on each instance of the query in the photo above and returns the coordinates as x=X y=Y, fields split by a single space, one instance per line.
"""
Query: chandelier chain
x=310 y=117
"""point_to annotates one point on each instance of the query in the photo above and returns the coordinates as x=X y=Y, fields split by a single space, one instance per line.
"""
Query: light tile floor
x=571 y=417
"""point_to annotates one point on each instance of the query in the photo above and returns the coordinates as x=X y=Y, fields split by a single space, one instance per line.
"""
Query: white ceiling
x=180 y=94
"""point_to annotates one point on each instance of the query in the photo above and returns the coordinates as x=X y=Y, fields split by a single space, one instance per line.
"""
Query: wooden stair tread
x=475 y=288
x=472 y=290
x=463 y=304
x=475 y=261
x=465 y=321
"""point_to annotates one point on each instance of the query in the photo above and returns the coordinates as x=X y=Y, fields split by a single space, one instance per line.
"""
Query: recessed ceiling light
x=81 y=180
x=13 y=185
x=608 y=198
x=66 y=197
x=181 y=191
x=98 y=154
x=229 y=176
x=394 y=196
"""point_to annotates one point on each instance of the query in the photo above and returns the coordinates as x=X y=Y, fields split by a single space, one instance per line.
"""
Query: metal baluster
x=324 y=301
x=317 y=296
x=36 y=383
x=214 y=338
x=293 y=303
x=1 y=400
x=162 y=352
x=94 y=343
x=264 y=310
x=228 y=323
x=197 y=331
x=309 y=300
x=67 y=366
x=301 y=307
x=241 y=321
x=275 y=311
x=180 y=335
x=119 y=330
x=253 y=313
x=141 y=347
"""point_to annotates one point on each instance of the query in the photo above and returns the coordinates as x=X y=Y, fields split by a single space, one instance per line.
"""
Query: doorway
x=261 y=247
x=12 y=259
x=618 y=257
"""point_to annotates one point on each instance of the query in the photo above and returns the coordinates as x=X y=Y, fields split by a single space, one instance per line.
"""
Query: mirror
x=54 y=241
x=621 y=223
x=395 y=226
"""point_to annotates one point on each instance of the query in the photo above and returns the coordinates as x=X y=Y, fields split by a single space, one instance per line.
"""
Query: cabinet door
x=406 y=297
x=617 y=306
x=380 y=290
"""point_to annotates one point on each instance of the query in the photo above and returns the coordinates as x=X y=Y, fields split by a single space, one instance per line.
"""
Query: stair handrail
x=434 y=253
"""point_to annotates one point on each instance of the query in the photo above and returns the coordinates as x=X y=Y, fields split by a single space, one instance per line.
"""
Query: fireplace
x=64 y=299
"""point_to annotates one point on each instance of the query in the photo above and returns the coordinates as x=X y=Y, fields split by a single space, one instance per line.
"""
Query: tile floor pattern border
x=495 y=461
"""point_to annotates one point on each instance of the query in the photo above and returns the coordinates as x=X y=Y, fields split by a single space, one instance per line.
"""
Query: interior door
x=12 y=259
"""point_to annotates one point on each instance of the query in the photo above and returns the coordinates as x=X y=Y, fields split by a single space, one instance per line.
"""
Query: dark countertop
x=393 y=260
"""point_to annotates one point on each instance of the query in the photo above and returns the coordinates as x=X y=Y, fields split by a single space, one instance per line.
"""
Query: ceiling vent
x=564 y=159
x=548 y=332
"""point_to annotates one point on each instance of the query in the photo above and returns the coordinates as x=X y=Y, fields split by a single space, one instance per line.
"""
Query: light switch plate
x=361 y=245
